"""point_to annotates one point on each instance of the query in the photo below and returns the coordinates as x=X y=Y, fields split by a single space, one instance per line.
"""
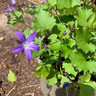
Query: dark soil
x=16 y=62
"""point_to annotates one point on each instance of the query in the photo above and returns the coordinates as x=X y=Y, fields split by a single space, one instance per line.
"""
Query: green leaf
x=79 y=61
x=52 y=80
x=72 y=43
x=64 y=79
x=52 y=2
x=67 y=3
x=85 y=78
x=42 y=71
x=53 y=38
x=82 y=38
x=27 y=32
x=91 y=66
x=43 y=20
x=69 y=69
x=85 y=17
x=65 y=51
x=61 y=27
x=55 y=43
x=87 y=89
x=39 y=6
x=11 y=76
x=38 y=40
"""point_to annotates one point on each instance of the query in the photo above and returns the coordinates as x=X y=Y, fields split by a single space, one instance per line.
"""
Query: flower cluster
x=11 y=3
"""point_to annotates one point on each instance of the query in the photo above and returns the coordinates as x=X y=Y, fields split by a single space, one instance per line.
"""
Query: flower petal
x=44 y=1
x=66 y=84
x=13 y=9
x=21 y=36
x=8 y=10
x=31 y=37
x=13 y=2
x=33 y=47
x=28 y=54
x=17 y=49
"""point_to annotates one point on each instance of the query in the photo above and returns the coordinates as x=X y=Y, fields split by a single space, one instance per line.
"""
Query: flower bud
x=64 y=33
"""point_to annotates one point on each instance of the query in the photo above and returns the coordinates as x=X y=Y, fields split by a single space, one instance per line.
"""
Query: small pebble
x=1 y=38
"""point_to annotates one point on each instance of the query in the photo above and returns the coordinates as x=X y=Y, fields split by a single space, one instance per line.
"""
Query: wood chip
x=1 y=38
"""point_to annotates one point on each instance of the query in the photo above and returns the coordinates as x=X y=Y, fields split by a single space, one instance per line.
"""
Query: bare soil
x=16 y=62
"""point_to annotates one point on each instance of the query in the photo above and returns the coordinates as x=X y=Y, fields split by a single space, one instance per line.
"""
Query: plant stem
x=58 y=16
x=75 y=89
x=66 y=91
x=28 y=24
x=88 y=2
x=11 y=90
x=93 y=2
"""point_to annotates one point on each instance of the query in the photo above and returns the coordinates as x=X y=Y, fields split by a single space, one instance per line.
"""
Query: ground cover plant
x=63 y=37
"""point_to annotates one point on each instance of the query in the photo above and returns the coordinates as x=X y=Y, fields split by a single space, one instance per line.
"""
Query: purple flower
x=45 y=47
x=44 y=1
x=12 y=2
x=26 y=5
x=26 y=44
x=66 y=84
x=9 y=10
x=64 y=33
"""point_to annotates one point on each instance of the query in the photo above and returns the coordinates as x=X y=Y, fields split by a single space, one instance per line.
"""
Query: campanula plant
x=65 y=43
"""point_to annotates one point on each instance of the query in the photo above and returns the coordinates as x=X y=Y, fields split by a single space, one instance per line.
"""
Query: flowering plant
x=65 y=43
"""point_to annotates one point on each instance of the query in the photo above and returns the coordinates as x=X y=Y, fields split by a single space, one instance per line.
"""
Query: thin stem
x=28 y=24
x=66 y=91
x=88 y=2
x=54 y=43
x=58 y=17
x=93 y=2
x=11 y=91
x=75 y=89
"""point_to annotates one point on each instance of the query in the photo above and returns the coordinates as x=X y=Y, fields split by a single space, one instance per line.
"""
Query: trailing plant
x=66 y=36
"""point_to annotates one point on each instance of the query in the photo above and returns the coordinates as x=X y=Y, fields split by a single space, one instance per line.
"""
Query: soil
x=16 y=62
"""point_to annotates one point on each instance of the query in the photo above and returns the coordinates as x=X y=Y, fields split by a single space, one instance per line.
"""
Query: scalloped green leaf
x=11 y=76
x=82 y=38
x=78 y=60
x=42 y=71
x=69 y=69
x=85 y=17
x=52 y=80
x=43 y=20
x=67 y=3
x=55 y=43
x=64 y=79
x=65 y=51
x=85 y=78
x=52 y=2
x=91 y=66
x=27 y=32
x=87 y=89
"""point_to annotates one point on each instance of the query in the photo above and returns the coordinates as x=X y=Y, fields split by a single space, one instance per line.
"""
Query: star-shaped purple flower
x=44 y=1
x=26 y=44
x=12 y=2
x=9 y=10
x=66 y=84
x=45 y=47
